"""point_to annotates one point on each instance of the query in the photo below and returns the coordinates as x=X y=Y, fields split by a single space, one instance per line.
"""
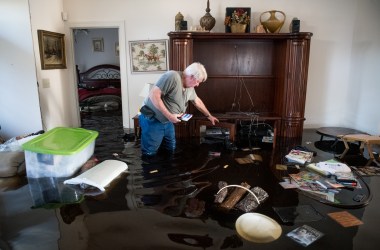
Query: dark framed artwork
x=148 y=56
x=230 y=10
x=97 y=45
x=52 y=50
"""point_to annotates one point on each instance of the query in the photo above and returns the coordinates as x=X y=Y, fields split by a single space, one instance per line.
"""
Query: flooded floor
x=169 y=202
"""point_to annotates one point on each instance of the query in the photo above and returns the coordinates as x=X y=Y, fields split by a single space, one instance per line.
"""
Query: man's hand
x=212 y=119
x=174 y=118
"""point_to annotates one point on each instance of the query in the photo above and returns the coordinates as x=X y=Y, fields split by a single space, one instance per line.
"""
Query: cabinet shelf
x=259 y=72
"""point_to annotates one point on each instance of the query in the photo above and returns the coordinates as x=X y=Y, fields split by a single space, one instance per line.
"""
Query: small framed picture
x=52 y=50
x=97 y=44
x=241 y=15
x=148 y=56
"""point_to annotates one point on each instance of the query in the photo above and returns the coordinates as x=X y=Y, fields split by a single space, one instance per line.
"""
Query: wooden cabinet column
x=295 y=85
x=181 y=53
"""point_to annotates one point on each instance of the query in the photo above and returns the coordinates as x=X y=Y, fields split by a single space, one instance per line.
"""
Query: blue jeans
x=155 y=134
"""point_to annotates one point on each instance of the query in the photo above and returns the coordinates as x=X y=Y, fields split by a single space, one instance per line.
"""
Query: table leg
x=370 y=153
x=346 y=148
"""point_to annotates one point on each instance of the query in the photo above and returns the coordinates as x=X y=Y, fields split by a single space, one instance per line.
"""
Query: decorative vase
x=207 y=22
x=238 y=27
x=273 y=24
x=178 y=20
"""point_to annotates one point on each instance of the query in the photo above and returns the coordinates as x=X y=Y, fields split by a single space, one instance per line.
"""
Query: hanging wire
x=240 y=84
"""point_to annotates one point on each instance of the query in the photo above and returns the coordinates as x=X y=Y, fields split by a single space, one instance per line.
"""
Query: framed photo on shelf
x=230 y=11
x=148 y=56
x=97 y=45
x=52 y=50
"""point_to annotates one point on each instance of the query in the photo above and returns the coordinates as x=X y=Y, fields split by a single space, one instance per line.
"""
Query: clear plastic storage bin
x=60 y=152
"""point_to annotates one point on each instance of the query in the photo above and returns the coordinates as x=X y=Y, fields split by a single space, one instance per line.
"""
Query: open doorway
x=120 y=26
x=97 y=60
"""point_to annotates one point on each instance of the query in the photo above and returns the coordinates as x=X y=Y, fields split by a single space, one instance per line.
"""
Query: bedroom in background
x=96 y=54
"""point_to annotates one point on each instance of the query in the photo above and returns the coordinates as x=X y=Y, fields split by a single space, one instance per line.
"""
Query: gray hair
x=197 y=70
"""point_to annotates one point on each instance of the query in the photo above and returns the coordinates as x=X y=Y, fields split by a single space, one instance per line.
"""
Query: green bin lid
x=61 y=141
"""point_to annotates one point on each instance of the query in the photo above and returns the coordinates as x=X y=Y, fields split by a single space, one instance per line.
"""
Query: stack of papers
x=299 y=156
x=332 y=167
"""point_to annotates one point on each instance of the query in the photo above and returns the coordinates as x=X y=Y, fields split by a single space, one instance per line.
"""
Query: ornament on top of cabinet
x=207 y=22
x=273 y=24
x=178 y=20
x=294 y=26
x=237 y=20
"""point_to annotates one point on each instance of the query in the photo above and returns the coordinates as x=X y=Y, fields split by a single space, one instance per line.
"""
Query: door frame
x=123 y=63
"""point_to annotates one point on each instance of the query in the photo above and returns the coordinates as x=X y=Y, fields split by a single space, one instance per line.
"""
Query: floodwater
x=168 y=202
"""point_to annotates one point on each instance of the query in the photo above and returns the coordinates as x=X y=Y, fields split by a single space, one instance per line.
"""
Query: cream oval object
x=258 y=228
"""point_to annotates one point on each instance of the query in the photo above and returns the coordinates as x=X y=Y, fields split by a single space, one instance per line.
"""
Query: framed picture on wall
x=52 y=50
x=97 y=45
x=148 y=56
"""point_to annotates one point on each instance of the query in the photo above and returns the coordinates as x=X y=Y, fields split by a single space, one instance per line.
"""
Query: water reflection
x=51 y=193
x=170 y=185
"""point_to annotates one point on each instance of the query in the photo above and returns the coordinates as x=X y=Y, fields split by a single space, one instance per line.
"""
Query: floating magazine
x=305 y=235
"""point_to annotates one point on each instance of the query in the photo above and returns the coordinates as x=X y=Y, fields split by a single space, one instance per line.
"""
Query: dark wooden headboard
x=100 y=76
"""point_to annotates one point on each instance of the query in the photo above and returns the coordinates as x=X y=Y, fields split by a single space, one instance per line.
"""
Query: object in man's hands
x=235 y=196
x=185 y=117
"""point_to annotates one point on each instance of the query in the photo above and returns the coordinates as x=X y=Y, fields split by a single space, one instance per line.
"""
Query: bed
x=99 y=87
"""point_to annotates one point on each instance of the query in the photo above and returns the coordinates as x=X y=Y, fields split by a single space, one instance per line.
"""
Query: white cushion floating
x=100 y=175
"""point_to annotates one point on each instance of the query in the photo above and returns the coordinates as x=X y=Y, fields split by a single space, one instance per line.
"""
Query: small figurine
x=260 y=29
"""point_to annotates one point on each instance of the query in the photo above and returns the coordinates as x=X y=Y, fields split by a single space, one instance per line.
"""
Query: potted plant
x=238 y=21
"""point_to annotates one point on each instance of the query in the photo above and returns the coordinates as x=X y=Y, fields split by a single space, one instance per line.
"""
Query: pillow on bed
x=12 y=163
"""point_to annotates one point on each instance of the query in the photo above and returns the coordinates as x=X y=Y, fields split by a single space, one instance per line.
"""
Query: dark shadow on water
x=109 y=124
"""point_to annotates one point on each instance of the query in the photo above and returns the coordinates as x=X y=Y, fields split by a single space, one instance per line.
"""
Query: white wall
x=86 y=58
x=362 y=107
x=339 y=27
x=59 y=99
x=342 y=87
x=19 y=101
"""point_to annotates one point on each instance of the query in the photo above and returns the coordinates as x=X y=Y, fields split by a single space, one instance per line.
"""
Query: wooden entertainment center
x=248 y=73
